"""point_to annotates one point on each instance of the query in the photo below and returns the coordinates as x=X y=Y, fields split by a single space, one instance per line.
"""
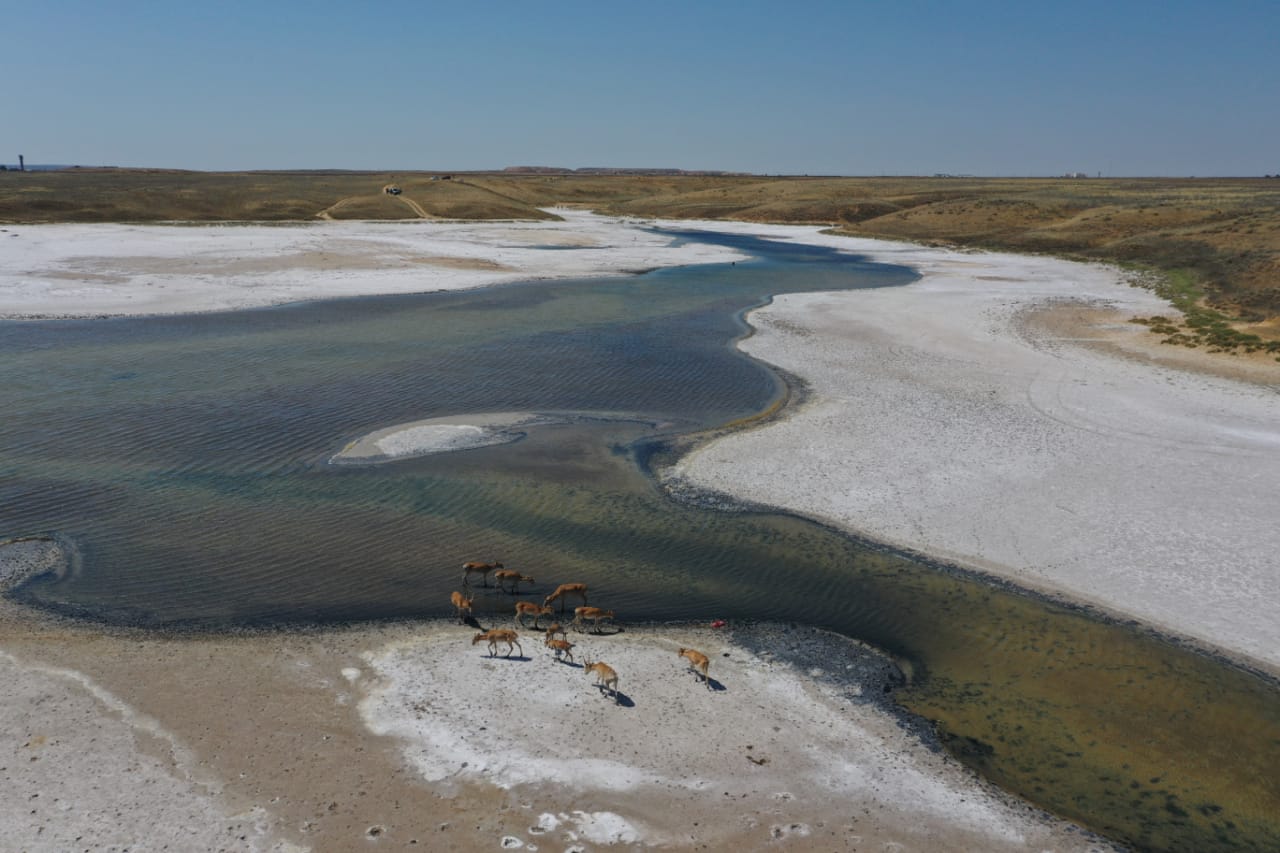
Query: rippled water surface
x=187 y=460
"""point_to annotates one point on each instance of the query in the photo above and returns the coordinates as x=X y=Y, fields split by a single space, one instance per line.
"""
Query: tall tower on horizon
x=22 y=164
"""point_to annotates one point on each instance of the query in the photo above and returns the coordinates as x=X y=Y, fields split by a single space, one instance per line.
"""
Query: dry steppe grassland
x=1210 y=245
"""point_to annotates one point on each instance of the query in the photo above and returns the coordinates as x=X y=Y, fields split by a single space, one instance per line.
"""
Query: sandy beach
x=1000 y=413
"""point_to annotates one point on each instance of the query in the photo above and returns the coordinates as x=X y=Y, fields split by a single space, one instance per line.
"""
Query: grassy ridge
x=1215 y=242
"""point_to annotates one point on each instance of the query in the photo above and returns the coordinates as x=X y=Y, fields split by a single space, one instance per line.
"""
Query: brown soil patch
x=1109 y=330
x=461 y=263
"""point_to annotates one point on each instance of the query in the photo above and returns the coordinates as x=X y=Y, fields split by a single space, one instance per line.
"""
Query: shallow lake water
x=186 y=458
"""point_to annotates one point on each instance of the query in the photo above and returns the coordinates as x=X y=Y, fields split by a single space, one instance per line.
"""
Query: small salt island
x=451 y=433
x=440 y=435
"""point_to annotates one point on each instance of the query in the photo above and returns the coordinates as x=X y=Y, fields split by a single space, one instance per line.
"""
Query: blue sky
x=987 y=88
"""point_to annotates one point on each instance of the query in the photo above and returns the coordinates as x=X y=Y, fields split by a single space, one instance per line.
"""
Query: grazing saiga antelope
x=499 y=635
x=474 y=567
x=561 y=647
x=462 y=605
x=698 y=662
x=504 y=575
x=595 y=614
x=605 y=676
x=567 y=589
x=528 y=608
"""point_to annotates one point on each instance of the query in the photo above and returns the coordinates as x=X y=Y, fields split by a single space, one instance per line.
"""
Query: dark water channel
x=186 y=459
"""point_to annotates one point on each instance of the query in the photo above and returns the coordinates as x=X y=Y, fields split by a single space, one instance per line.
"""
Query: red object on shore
x=719 y=623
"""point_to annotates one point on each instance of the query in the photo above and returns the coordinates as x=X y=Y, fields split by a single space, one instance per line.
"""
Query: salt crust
x=116 y=270
x=940 y=419
x=431 y=439
x=441 y=435
x=458 y=432
x=530 y=723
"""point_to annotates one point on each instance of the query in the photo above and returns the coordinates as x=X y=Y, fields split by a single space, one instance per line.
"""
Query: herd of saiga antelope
x=605 y=675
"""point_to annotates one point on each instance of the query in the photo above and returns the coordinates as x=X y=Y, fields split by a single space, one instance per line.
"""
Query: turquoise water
x=186 y=458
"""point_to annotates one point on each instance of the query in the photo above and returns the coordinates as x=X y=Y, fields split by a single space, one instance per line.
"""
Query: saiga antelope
x=503 y=575
x=605 y=676
x=561 y=647
x=698 y=662
x=499 y=635
x=474 y=567
x=462 y=605
x=557 y=629
x=595 y=614
x=528 y=608
x=567 y=589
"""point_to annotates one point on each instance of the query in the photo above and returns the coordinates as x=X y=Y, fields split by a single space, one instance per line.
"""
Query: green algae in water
x=185 y=457
x=1143 y=741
